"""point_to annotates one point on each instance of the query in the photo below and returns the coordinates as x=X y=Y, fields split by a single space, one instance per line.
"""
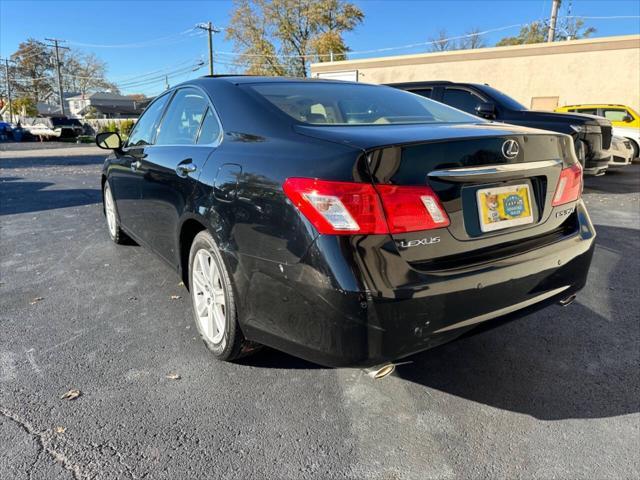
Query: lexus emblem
x=510 y=149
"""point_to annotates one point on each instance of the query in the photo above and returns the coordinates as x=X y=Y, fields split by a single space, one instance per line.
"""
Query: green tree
x=280 y=37
x=535 y=32
x=31 y=75
x=568 y=28
x=24 y=106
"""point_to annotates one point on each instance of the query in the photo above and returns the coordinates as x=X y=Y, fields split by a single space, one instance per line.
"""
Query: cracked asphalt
x=553 y=395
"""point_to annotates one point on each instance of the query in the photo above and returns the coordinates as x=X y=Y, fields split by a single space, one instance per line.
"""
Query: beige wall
x=603 y=70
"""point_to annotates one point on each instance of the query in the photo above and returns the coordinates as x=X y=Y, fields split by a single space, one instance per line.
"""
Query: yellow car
x=625 y=120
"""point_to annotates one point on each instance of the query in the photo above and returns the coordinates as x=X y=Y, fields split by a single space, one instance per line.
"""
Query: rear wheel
x=214 y=306
x=111 y=214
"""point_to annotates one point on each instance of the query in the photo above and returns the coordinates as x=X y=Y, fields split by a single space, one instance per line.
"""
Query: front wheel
x=214 y=306
x=110 y=212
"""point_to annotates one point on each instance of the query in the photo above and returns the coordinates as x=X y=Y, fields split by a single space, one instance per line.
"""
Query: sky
x=155 y=37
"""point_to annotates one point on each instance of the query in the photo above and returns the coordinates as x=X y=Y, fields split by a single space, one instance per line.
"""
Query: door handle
x=136 y=165
x=185 y=167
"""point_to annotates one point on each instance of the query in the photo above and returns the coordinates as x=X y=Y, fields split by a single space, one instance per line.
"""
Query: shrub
x=126 y=127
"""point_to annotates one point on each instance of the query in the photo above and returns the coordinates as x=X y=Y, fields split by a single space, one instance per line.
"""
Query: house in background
x=105 y=105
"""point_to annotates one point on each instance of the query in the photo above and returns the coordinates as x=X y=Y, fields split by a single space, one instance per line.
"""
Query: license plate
x=504 y=207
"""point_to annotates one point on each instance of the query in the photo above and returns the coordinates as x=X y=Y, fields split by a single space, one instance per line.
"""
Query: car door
x=462 y=99
x=172 y=166
x=125 y=177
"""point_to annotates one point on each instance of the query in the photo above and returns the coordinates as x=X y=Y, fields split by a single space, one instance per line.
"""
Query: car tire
x=636 y=150
x=111 y=214
x=213 y=299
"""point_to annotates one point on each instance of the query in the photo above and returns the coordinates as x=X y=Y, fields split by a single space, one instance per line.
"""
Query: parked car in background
x=625 y=120
x=345 y=223
x=622 y=152
x=591 y=134
x=52 y=127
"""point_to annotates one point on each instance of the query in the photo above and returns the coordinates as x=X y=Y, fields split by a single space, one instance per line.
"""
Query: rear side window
x=210 y=131
x=182 y=121
x=587 y=111
x=424 y=92
x=461 y=99
x=615 y=114
x=146 y=125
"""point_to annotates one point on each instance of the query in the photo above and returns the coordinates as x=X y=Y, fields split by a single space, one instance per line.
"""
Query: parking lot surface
x=553 y=395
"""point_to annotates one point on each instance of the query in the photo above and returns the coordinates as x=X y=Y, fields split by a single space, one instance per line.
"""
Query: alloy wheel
x=110 y=211
x=208 y=296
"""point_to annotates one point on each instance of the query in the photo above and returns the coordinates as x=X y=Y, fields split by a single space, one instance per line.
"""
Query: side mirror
x=627 y=118
x=109 y=141
x=486 y=110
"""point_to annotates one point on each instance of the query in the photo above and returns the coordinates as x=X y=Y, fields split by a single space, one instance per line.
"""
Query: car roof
x=592 y=105
x=245 y=79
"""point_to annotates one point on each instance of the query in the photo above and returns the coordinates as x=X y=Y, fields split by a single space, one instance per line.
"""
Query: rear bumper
x=597 y=166
x=340 y=308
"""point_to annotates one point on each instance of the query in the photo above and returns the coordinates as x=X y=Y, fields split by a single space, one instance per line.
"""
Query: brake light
x=346 y=208
x=411 y=209
x=569 y=186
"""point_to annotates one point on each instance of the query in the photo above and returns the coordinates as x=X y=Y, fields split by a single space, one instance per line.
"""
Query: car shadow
x=10 y=162
x=27 y=197
x=615 y=181
x=558 y=363
x=267 y=357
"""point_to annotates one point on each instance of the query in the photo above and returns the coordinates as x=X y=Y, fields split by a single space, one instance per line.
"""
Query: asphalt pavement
x=553 y=395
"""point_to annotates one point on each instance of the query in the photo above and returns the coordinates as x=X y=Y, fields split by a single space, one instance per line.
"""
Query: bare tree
x=472 y=40
x=441 y=43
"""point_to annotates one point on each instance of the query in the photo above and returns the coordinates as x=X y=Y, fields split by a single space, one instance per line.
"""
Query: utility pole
x=555 y=5
x=57 y=47
x=208 y=27
x=6 y=66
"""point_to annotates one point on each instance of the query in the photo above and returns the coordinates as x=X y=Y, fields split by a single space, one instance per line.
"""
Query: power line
x=55 y=44
x=422 y=44
x=146 y=43
x=210 y=29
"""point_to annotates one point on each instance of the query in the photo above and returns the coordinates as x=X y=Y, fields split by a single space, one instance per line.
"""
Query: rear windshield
x=352 y=104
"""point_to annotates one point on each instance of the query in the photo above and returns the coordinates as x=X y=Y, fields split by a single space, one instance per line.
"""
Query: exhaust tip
x=380 y=371
x=567 y=301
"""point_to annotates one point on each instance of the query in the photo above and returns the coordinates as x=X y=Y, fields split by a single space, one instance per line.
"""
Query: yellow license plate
x=504 y=207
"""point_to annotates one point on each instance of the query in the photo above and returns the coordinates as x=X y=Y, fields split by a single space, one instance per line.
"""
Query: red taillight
x=569 y=186
x=411 y=209
x=343 y=208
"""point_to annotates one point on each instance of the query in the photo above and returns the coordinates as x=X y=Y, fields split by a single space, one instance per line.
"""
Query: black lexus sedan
x=344 y=223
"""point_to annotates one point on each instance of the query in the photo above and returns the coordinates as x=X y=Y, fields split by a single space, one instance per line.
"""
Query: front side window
x=146 y=125
x=326 y=104
x=182 y=121
x=461 y=99
x=615 y=114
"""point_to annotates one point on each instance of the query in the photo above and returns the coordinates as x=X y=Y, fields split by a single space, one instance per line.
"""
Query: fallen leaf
x=71 y=394
x=60 y=429
x=36 y=300
x=175 y=297
x=133 y=298
x=173 y=376
x=181 y=284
